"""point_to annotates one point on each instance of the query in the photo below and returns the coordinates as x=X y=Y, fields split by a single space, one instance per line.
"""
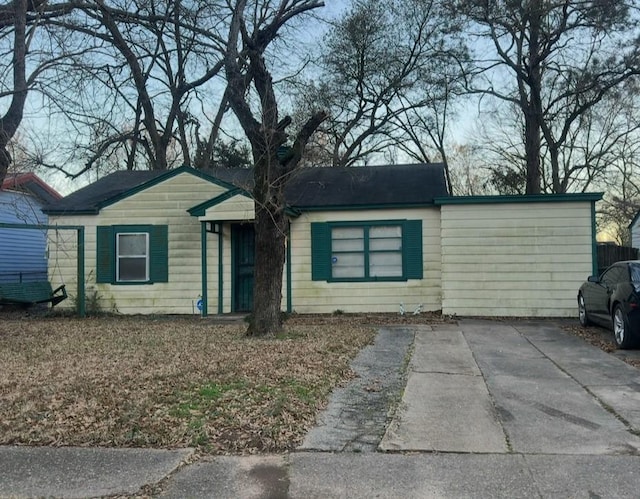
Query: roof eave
x=529 y=198
x=383 y=206
x=54 y=212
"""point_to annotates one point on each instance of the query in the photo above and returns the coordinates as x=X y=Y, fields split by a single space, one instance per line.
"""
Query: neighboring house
x=634 y=228
x=23 y=252
x=360 y=240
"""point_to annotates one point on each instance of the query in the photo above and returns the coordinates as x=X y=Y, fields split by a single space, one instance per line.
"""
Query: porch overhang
x=234 y=205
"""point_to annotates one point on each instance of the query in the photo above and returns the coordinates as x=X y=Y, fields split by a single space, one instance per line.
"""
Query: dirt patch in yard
x=168 y=381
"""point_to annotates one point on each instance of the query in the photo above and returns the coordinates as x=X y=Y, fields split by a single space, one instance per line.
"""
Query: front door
x=243 y=251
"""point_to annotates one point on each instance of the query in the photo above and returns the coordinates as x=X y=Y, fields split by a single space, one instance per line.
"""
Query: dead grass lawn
x=168 y=381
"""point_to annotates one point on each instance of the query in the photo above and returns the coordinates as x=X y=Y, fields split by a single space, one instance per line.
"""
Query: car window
x=635 y=273
x=615 y=275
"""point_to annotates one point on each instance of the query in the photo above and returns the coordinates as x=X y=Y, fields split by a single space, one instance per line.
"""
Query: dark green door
x=243 y=249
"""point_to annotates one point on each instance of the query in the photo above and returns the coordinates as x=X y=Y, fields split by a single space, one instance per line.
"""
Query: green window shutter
x=412 y=249
x=320 y=251
x=159 y=253
x=105 y=254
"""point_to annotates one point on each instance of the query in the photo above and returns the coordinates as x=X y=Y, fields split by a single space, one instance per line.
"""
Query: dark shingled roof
x=366 y=186
x=89 y=199
x=309 y=188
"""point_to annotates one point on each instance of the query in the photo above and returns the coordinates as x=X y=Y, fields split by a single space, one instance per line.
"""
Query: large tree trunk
x=266 y=135
x=271 y=234
x=532 y=145
x=10 y=122
x=533 y=112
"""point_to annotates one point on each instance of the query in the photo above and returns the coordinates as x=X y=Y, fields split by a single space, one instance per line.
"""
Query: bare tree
x=387 y=72
x=139 y=89
x=469 y=174
x=621 y=202
x=24 y=62
x=559 y=59
x=254 y=27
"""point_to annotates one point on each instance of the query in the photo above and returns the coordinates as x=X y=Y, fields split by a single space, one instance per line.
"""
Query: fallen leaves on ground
x=168 y=381
x=603 y=339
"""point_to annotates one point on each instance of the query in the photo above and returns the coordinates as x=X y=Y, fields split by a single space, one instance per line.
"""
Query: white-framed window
x=132 y=256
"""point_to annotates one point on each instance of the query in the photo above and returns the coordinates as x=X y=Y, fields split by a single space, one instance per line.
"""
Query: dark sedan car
x=612 y=300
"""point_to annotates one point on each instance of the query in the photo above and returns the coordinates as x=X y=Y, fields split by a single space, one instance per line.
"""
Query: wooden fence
x=610 y=253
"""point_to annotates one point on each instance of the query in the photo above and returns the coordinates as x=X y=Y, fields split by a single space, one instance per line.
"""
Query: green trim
x=220 y=269
x=412 y=256
x=159 y=253
x=411 y=251
x=71 y=212
x=106 y=258
x=301 y=209
x=233 y=243
x=288 y=271
x=537 y=198
x=81 y=271
x=292 y=212
x=203 y=257
x=320 y=251
x=105 y=254
x=199 y=210
x=594 y=242
x=158 y=180
x=368 y=223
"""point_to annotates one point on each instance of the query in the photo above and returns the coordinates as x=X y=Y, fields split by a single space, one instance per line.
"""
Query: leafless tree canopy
x=387 y=72
x=554 y=60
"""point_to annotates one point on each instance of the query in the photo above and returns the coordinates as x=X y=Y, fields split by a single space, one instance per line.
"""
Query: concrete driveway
x=474 y=409
x=496 y=409
x=525 y=388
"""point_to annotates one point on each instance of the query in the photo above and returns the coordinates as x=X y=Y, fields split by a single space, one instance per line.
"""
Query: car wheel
x=582 y=312
x=621 y=332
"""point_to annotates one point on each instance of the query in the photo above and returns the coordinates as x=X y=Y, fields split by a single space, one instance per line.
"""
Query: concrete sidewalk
x=490 y=409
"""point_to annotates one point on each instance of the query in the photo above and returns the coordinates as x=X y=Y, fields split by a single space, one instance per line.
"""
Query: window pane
x=385 y=238
x=385 y=264
x=132 y=244
x=387 y=244
x=385 y=231
x=132 y=269
x=348 y=265
x=347 y=239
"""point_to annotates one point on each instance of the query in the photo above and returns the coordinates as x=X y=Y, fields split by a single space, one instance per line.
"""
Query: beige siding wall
x=165 y=203
x=326 y=297
x=236 y=208
x=517 y=259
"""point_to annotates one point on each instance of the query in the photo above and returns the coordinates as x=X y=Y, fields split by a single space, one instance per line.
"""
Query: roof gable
x=200 y=209
x=118 y=186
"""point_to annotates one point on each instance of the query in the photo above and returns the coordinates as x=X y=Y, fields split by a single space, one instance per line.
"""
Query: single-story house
x=23 y=252
x=360 y=239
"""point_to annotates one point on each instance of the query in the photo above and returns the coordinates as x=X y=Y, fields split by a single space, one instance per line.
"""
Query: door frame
x=235 y=266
